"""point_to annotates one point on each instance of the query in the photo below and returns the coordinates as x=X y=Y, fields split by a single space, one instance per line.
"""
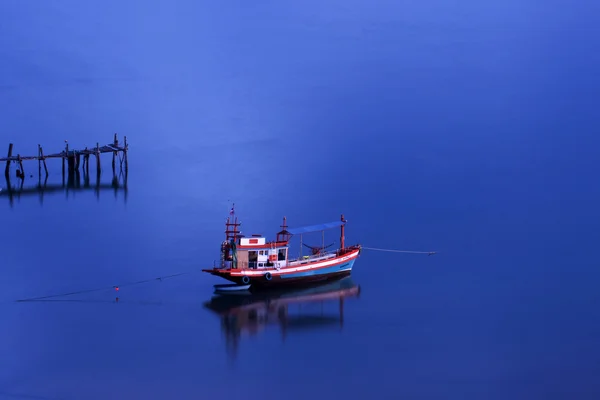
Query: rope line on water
x=399 y=251
x=115 y=287
x=161 y=278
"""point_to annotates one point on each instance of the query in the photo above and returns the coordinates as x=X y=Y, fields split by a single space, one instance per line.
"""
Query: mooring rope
x=399 y=251
x=161 y=278
x=114 y=287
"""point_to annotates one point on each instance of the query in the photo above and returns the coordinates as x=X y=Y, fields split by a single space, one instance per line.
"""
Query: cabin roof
x=314 y=228
x=266 y=245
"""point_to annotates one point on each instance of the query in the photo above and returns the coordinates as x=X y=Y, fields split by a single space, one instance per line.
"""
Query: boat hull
x=292 y=276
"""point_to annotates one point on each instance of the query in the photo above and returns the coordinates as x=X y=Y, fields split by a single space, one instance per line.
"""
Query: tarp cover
x=314 y=228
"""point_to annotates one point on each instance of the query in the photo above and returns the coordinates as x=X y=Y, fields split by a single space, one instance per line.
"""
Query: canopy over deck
x=314 y=228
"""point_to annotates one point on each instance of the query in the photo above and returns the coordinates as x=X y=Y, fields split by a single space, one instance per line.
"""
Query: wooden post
x=98 y=159
x=7 y=171
x=21 y=166
x=71 y=163
x=115 y=145
x=97 y=187
x=63 y=160
x=125 y=151
x=115 y=184
x=44 y=160
x=86 y=161
x=86 y=171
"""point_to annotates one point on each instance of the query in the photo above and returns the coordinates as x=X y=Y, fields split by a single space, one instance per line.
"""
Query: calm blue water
x=466 y=128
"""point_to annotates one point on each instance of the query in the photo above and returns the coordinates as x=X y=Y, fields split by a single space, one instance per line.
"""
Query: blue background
x=468 y=128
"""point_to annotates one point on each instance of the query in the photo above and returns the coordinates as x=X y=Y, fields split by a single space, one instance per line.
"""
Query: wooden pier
x=72 y=158
x=71 y=161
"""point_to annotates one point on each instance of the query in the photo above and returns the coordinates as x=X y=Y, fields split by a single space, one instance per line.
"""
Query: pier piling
x=86 y=161
x=98 y=169
x=115 y=145
x=8 y=159
x=71 y=164
x=39 y=161
x=125 y=148
x=21 y=166
x=44 y=160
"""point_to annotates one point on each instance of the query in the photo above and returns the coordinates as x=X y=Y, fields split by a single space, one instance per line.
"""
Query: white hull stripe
x=287 y=270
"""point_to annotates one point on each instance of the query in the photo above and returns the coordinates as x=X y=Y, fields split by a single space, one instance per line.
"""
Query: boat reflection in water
x=252 y=312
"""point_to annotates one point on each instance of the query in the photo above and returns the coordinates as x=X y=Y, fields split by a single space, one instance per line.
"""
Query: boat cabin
x=240 y=252
x=256 y=253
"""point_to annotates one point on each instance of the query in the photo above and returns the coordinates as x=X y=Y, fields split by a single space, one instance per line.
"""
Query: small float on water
x=231 y=288
x=253 y=263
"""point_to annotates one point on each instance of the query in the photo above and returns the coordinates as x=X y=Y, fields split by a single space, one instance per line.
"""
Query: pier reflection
x=250 y=313
x=76 y=181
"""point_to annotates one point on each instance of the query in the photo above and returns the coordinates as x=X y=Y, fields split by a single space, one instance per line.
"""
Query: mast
x=283 y=235
x=233 y=232
x=231 y=235
x=342 y=244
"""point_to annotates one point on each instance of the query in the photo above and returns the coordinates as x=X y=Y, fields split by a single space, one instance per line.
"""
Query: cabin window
x=261 y=264
x=252 y=258
x=281 y=255
x=261 y=252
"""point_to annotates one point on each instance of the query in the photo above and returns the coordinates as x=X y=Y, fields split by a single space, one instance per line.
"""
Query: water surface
x=468 y=129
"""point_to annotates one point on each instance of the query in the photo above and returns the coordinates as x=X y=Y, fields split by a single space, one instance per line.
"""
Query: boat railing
x=311 y=258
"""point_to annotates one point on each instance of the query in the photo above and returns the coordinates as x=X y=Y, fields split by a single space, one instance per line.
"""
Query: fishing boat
x=266 y=264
